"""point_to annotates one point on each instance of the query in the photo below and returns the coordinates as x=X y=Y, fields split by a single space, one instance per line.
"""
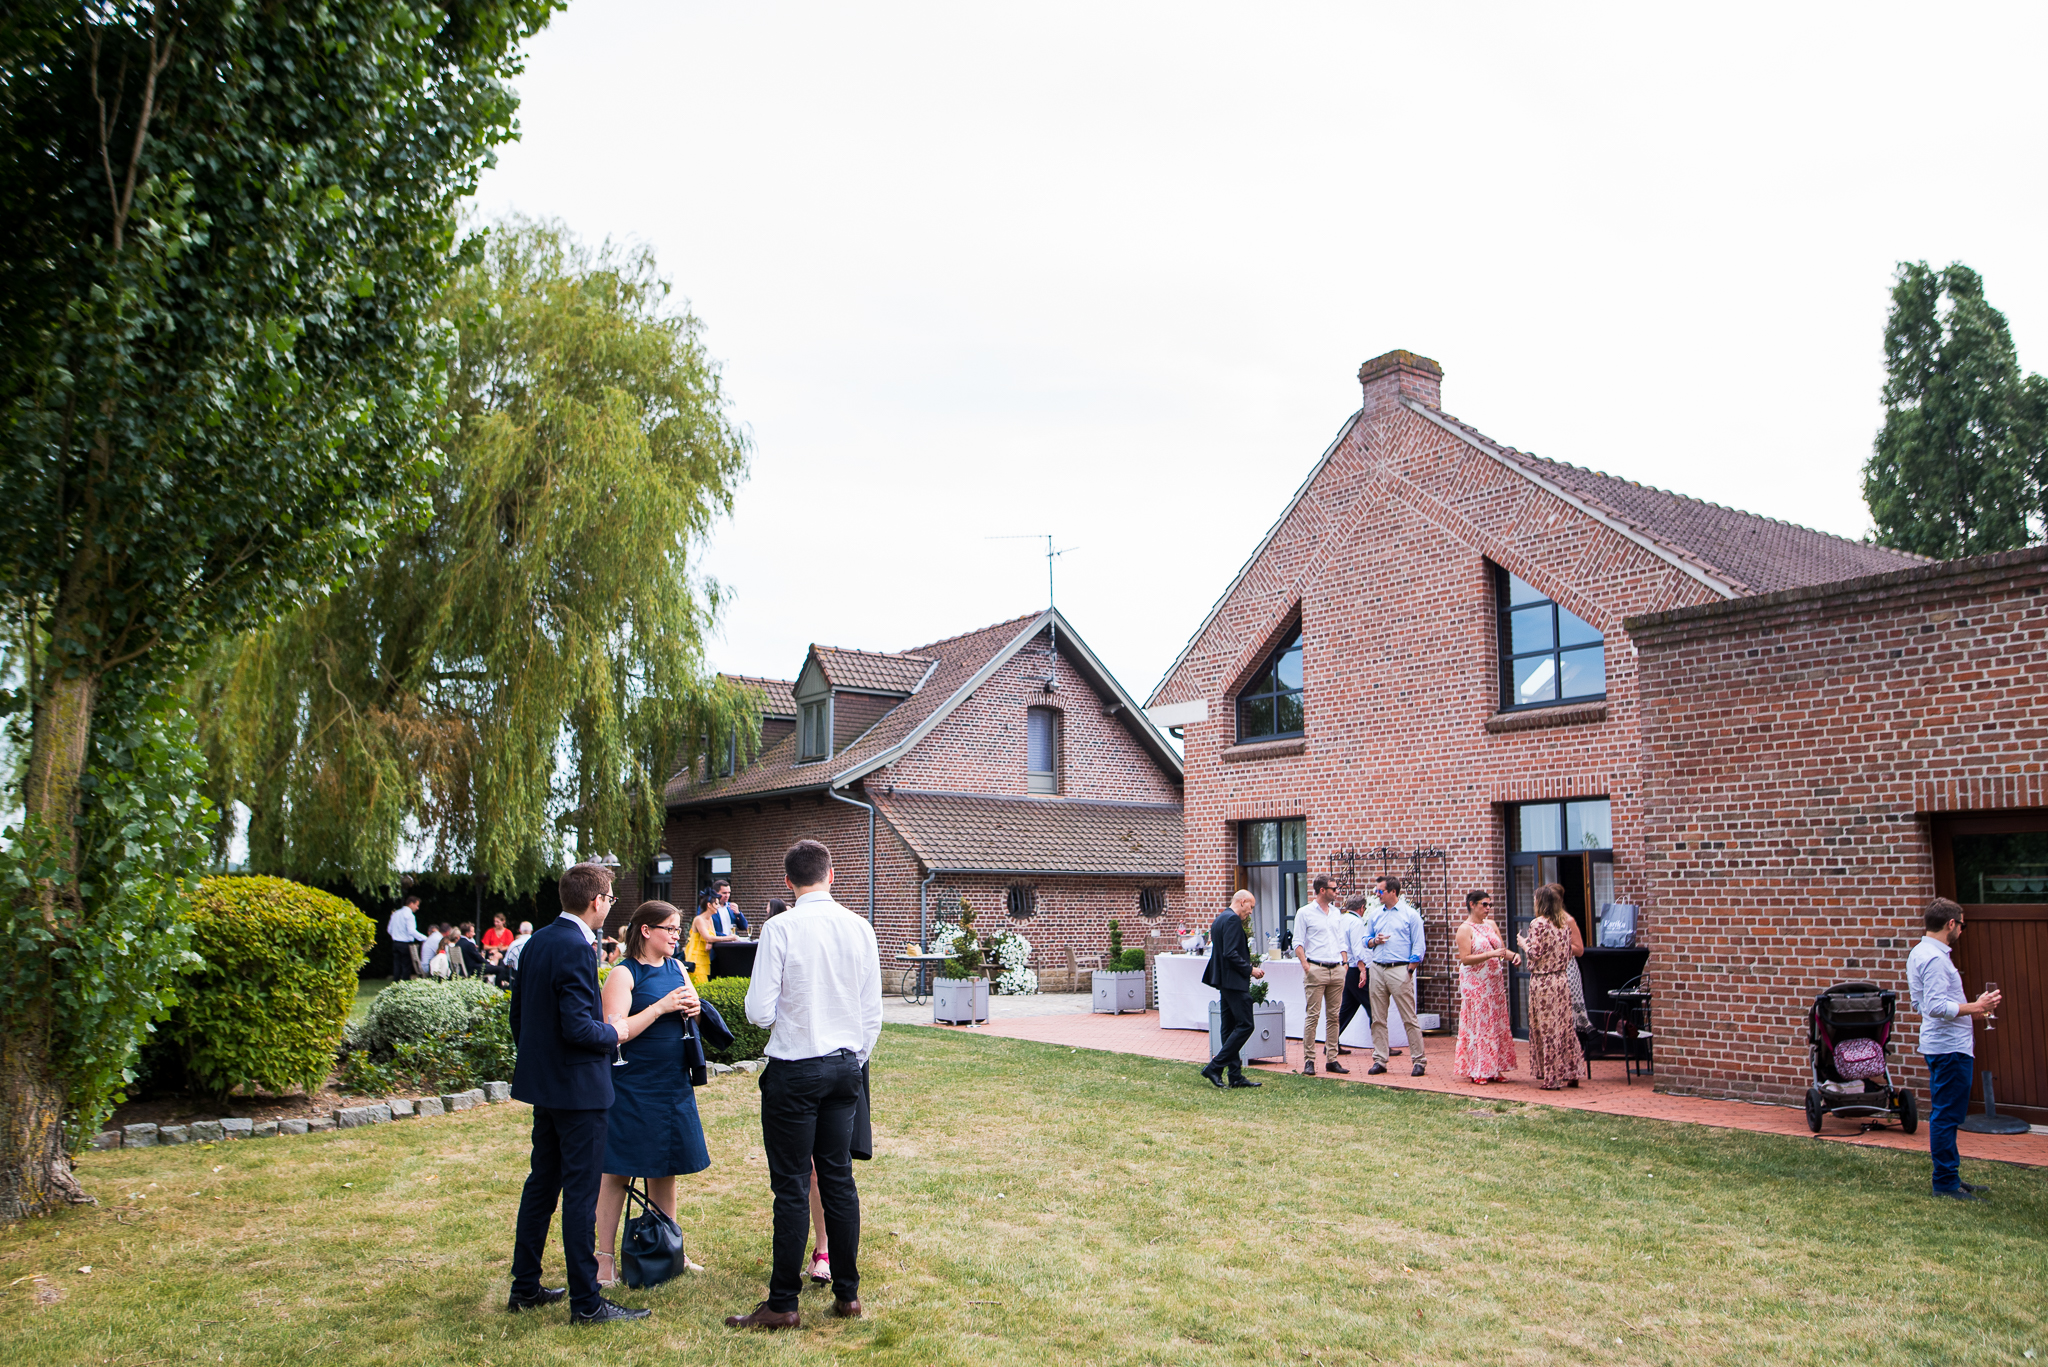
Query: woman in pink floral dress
x=1555 y=1059
x=1486 y=1044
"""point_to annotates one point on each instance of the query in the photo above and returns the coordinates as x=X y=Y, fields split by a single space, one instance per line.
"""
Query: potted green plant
x=1269 y=1027
x=960 y=993
x=1119 y=986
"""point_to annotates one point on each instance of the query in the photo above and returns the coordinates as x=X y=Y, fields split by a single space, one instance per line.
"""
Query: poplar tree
x=509 y=682
x=221 y=227
x=1961 y=465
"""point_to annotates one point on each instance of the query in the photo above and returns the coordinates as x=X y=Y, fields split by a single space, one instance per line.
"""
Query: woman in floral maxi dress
x=1486 y=1043
x=1555 y=1059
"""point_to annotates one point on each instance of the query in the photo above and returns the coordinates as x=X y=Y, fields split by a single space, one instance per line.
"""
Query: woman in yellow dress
x=698 y=953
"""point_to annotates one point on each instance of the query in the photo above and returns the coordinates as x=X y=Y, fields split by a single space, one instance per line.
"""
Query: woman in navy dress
x=652 y=1131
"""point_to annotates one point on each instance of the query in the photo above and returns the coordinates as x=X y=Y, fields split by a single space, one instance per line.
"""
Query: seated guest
x=518 y=943
x=430 y=946
x=497 y=937
x=471 y=956
x=612 y=951
x=495 y=970
x=652 y=1131
x=439 y=966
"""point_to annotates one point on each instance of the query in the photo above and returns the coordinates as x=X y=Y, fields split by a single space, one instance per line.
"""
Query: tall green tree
x=222 y=226
x=512 y=680
x=1961 y=464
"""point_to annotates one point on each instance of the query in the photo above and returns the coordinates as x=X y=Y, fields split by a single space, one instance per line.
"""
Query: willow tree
x=221 y=226
x=510 y=680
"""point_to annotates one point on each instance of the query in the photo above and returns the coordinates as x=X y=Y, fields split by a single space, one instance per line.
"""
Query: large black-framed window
x=1272 y=861
x=1548 y=653
x=1570 y=844
x=1269 y=707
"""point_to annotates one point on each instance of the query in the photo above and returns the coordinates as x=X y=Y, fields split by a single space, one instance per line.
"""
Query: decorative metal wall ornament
x=1425 y=874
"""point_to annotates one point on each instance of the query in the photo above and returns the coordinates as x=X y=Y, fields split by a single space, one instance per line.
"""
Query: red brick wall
x=980 y=747
x=1794 y=747
x=1384 y=560
x=1072 y=912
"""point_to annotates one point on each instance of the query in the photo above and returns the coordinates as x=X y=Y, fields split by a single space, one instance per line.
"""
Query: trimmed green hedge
x=423 y=1009
x=430 y=1035
x=269 y=1002
x=749 y=1040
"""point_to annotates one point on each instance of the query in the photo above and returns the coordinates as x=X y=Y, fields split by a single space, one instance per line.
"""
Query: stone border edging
x=149 y=1136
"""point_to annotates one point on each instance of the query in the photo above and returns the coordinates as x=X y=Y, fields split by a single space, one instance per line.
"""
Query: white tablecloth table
x=1184 y=1001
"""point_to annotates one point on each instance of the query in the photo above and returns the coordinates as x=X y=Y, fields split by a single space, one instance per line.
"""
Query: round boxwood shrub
x=422 y=1009
x=269 y=1001
x=749 y=1040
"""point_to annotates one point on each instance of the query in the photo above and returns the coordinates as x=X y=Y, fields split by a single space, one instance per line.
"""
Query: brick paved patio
x=1607 y=1092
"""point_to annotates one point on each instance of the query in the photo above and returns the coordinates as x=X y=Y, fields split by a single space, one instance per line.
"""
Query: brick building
x=1423 y=669
x=1005 y=765
x=1817 y=764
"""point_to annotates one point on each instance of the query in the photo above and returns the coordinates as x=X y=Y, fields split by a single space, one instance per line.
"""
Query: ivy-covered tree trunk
x=219 y=254
x=35 y=1175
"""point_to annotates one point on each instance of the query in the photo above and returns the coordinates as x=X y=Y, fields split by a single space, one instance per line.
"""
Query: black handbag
x=652 y=1250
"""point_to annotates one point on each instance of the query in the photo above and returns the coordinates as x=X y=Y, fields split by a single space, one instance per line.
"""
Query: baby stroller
x=1848 y=1036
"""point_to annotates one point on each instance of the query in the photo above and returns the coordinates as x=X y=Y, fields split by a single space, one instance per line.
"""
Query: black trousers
x=807 y=1108
x=403 y=964
x=568 y=1159
x=1237 y=1028
x=1356 y=999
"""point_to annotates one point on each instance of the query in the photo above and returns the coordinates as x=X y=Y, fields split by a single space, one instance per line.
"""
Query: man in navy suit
x=564 y=1071
x=1230 y=971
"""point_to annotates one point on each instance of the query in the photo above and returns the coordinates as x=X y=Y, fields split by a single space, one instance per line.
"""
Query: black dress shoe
x=606 y=1312
x=1976 y=1190
x=1214 y=1074
x=1417 y=1071
x=1342 y=1051
x=763 y=1318
x=1308 y=1068
x=1240 y=1080
x=1376 y=1068
x=1331 y=1065
x=1959 y=1195
x=547 y=1295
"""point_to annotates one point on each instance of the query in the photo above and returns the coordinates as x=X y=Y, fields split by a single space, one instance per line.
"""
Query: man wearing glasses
x=564 y=1072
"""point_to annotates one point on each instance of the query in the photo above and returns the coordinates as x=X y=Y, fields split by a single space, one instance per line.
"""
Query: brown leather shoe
x=763 y=1318
x=847 y=1310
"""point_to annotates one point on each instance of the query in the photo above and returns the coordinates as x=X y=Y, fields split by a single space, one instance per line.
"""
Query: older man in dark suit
x=564 y=1071
x=1230 y=972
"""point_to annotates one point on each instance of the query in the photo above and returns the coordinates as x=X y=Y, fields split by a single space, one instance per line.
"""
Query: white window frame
x=1045 y=782
x=821 y=709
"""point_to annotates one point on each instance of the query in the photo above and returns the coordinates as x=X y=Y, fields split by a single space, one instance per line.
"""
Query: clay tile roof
x=971 y=832
x=777 y=699
x=871 y=670
x=1751 y=554
x=775 y=770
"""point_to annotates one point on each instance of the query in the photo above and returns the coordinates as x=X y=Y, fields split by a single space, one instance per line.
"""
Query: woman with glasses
x=1486 y=1042
x=652 y=1131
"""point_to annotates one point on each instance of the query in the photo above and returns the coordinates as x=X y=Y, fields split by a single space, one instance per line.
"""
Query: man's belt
x=1389 y=963
x=1320 y=964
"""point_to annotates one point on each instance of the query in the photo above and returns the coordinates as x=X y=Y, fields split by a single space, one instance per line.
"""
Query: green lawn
x=1034 y=1205
x=366 y=992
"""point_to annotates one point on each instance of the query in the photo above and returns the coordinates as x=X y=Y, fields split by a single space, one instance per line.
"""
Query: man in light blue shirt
x=1947 y=1041
x=1394 y=948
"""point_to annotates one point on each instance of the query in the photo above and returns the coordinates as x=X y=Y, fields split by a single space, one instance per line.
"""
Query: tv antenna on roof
x=1050 y=556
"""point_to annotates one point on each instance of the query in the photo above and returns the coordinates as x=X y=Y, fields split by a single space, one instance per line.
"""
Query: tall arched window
x=1270 y=705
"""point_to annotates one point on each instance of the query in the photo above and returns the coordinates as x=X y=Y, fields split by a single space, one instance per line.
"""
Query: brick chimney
x=1401 y=375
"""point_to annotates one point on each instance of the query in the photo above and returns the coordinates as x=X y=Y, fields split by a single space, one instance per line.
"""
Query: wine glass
x=1988 y=1016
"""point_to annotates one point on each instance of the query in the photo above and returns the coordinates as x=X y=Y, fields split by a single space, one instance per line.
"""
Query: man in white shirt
x=518 y=943
x=405 y=933
x=817 y=988
x=1947 y=1041
x=429 y=947
x=1322 y=944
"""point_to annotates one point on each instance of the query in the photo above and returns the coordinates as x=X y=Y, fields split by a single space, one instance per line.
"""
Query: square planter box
x=1269 y=1031
x=1116 y=993
x=959 y=1001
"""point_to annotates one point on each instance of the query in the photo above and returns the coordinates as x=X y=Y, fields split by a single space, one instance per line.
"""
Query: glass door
x=1567 y=843
x=1272 y=862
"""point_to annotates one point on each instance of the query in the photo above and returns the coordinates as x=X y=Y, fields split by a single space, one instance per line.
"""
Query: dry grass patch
x=1029 y=1204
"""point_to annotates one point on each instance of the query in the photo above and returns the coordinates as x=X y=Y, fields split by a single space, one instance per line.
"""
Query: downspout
x=922 y=922
x=869 y=808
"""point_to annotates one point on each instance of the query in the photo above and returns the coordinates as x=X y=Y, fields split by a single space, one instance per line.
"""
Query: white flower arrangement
x=1017 y=982
x=1012 y=950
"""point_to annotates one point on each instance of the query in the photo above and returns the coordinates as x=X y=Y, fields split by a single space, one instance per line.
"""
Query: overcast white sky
x=1108 y=270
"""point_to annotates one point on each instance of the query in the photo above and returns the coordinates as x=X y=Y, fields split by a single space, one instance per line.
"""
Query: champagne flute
x=1988 y=1016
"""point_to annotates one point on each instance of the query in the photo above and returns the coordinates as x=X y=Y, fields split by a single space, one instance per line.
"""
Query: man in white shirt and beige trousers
x=817 y=988
x=1322 y=941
